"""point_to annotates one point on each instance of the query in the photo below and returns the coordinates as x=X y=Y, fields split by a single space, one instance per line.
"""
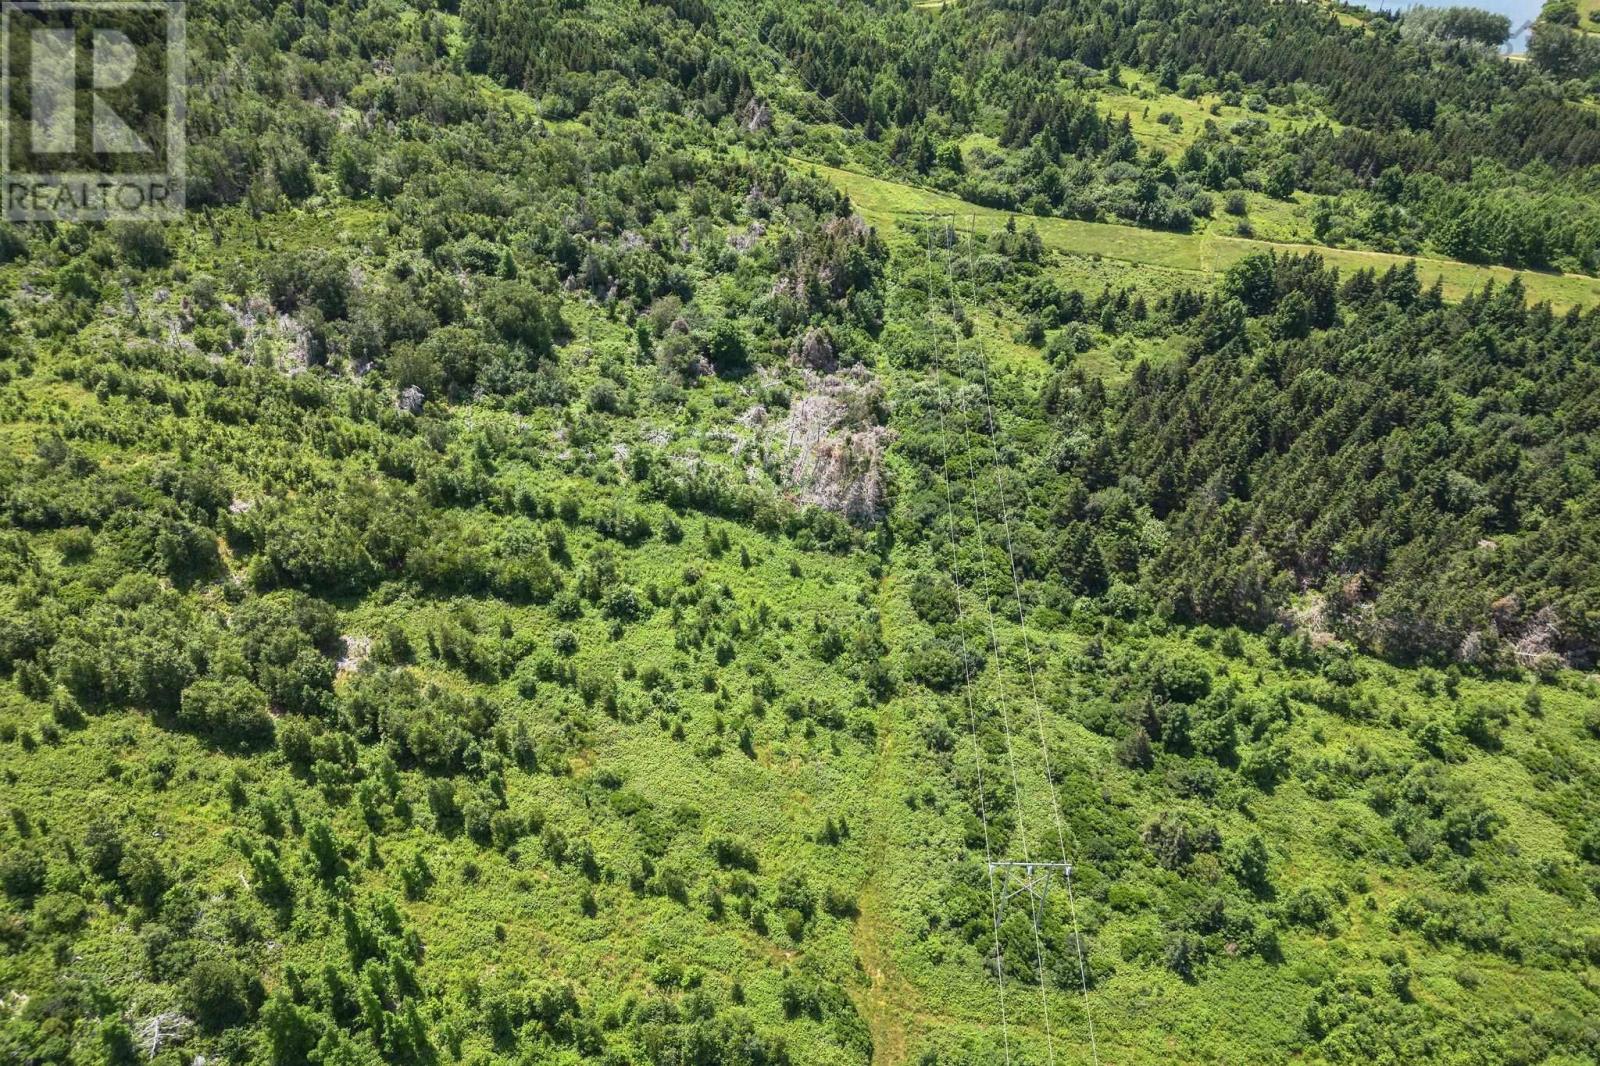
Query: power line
x=1027 y=646
x=1064 y=866
x=994 y=645
x=966 y=689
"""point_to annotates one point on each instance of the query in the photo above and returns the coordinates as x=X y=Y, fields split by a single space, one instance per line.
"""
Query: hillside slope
x=531 y=569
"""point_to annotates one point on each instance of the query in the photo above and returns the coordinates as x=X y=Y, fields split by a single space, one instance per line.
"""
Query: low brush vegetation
x=532 y=569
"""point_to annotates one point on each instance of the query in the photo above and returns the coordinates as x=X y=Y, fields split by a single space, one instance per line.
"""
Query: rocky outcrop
x=815 y=351
x=410 y=400
x=834 y=441
x=756 y=116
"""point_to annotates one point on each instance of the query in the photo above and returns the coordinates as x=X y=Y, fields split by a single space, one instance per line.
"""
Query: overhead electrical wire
x=966 y=686
x=996 y=465
x=994 y=636
x=990 y=429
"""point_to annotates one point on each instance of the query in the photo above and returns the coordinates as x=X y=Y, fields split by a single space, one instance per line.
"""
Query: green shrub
x=22 y=872
x=232 y=709
x=217 y=993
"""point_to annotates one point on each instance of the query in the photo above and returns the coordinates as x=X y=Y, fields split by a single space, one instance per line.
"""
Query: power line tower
x=1026 y=878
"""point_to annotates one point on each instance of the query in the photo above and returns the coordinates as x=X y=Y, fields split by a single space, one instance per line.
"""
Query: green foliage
x=233 y=709
x=1232 y=561
x=22 y=873
x=217 y=993
x=526 y=513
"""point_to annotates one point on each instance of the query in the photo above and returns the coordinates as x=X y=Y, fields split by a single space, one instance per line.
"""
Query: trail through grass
x=886 y=203
x=888 y=999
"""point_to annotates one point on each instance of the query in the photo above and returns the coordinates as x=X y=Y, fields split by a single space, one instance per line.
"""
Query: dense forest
x=604 y=521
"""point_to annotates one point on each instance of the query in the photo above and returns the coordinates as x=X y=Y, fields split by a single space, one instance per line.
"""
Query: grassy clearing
x=1202 y=256
x=1143 y=101
x=1145 y=105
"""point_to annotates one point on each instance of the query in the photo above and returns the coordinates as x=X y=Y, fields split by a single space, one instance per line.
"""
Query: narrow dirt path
x=888 y=999
x=889 y=1002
